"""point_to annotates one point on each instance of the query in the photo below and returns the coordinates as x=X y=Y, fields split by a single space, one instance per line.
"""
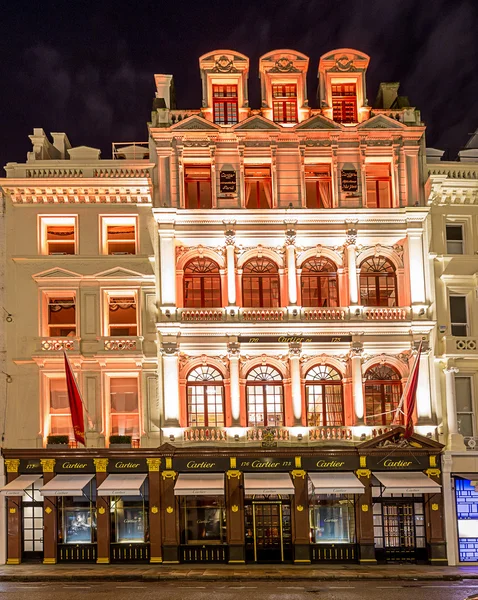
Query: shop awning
x=199 y=484
x=268 y=483
x=403 y=482
x=127 y=484
x=19 y=485
x=336 y=483
x=66 y=485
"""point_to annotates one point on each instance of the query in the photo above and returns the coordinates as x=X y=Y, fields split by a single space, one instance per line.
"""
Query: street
x=300 y=590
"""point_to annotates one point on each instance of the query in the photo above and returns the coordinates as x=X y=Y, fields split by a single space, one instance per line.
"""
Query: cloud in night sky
x=87 y=67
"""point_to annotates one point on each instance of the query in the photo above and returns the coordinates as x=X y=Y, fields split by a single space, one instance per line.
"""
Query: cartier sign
x=287 y=339
x=349 y=180
x=398 y=462
x=74 y=465
x=201 y=465
x=227 y=182
x=331 y=463
x=249 y=464
x=127 y=465
x=30 y=465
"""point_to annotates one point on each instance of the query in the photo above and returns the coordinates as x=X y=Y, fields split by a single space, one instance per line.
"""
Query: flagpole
x=407 y=385
x=91 y=423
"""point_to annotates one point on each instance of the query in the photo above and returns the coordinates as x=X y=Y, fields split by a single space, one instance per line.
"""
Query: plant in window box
x=53 y=441
x=120 y=441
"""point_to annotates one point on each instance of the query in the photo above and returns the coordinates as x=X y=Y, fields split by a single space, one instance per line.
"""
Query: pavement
x=144 y=573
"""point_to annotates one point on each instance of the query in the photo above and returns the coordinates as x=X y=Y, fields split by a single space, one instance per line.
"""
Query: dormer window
x=225 y=103
x=284 y=103
x=344 y=102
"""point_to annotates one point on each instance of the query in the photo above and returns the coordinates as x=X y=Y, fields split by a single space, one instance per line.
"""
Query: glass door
x=32 y=523
x=399 y=531
x=268 y=542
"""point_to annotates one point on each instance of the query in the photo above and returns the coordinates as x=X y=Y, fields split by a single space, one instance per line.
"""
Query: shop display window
x=130 y=519
x=203 y=520
x=332 y=519
x=78 y=518
x=467 y=514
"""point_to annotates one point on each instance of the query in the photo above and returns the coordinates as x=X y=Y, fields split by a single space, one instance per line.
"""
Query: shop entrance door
x=32 y=524
x=268 y=543
x=399 y=531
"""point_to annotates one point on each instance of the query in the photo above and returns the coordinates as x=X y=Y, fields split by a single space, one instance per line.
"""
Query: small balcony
x=121 y=344
x=324 y=434
x=205 y=434
x=263 y=434
x=324 y=314
x=255 y=315
x=202 y=314
x=461 y=345
x=59 y=344
x=383 y=313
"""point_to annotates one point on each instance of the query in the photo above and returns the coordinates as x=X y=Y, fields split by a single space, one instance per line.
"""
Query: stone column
x=416 y=266
x=167 y=258
x=364 y=516
x=351 y=248
x=295 y=349
x=290 y=235
x=234 y=354
x=434 y=517
x=156 y=554
x=300 y=517
x=50 y=517
x=424 y=400
x=357 y=382
x=230 y=239
x=14 y=517
x=235 y=514
x=171 y=398
x=169 y=515
x=103 y=515
x=449 y=509
x=455 y=439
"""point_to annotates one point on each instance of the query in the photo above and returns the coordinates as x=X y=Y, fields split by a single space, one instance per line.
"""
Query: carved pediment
x=381 y=122
x=258 y=123
x=318 y=122
x=395 y=439
x=56 y=273
x=195 y=123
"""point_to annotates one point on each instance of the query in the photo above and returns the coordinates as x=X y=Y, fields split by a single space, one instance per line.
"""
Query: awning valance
x=19 y=485
x=336 y=483
x=268 y=483
x=66 y=485
x=125 y=484
x=404 y=482
x=199 y=484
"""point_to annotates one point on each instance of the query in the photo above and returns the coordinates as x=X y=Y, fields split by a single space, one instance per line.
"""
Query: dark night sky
x=87 y=68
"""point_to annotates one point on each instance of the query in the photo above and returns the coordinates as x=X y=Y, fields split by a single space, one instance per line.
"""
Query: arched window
x=323 y=390
x=319 y=283
x=378 y=282
x=205 y=395
x=265 y=397
x=383 y=391
x=202 y=284
x=260 y=284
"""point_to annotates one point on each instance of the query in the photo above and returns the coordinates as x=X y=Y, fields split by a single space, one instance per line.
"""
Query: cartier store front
x=378 y=502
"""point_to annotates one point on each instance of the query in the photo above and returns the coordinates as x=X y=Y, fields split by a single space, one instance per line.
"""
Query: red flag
x=411 y=395
x=76 y=404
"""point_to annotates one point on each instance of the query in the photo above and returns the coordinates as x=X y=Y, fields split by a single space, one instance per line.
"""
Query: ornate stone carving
x=12 y=465
x=169 y=348
x=153 y=464
x=351 y=237
x=224 y=64
x=295 y=348
x=344 y=64
x=234 y=349
x=290 y=235
x=356 y=349
x=100 y=464
x=48 y=465
x=284 y=65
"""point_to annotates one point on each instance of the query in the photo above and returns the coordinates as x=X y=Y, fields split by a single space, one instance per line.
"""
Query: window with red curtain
x=122 y=317
x=284 y=103
x=224 y=98
x=60 y=239
x=344 y=102
x=378 y=282
x=258 y=186
x=60 y=416
x=202 y=284
x=265 y=397
x=318 y=186
x=260 y=284
x=383 y=390
x=325 y=404
x=197 y=187
x=379 y=185
x=205 y=397
x=319 y=285
x=62 y=316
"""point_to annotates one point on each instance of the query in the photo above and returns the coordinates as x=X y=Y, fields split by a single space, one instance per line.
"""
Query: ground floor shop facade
x=378 y=502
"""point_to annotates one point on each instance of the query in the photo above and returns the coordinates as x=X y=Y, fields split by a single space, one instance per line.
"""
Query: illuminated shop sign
x=287 y=339
x=349 y=180
x=127 y=465
x=227 y=182
x=253 y=463
x=83 y=465
x=334 y=463
x=398 y=462
x=200 y=464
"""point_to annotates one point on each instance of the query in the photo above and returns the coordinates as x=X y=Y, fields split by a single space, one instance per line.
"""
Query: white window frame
x=118 y=220
x=463 y=245
x=122 y=293
x=46 y=295
x=471 y=377
x=107 y=400
x=45 y=404
x=465 y=296
x=58 y=220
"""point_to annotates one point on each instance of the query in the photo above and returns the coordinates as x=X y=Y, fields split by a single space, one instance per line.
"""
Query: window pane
x=465 y=424
x=458 y=309
x=124 y=394
x=463 y=394
x=454 y=233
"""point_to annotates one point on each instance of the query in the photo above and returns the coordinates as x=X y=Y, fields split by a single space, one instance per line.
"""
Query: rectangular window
x=58 y=235
x=379 y=185
x=77 y=516
x=60 y=416
x=124 y=407
x=119 y=235
x=318 y=186
x=225 y=104
x=467 y=513
x=464 y=406
x=344 y=102
x=454 y=239
x=332 y=519
x=122 y=315
x=258 y=186
x=61 y=316
x=197 y=187
x=203 y=520
x=458 y=316
x=130 y=519
x=284 y=103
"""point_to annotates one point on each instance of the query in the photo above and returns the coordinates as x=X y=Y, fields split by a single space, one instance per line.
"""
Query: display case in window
x=78 y=518
x=130 y=520
x=332 y=519
x=203 y=520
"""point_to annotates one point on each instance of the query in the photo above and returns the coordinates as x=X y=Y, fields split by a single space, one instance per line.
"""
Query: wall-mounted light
x=8 y=377
x=9 y=317
x=357 y=312
x=299 y=437
x=236 y=437
x=421 y=312
x=171 y=438
x=295 y=312
x=363 y=437
x=167 y=312
x=232 y=313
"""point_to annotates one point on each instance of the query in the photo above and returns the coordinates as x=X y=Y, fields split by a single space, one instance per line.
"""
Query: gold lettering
x=202 y=465
x=69 y=465
x=396 y=463
x=267 y=464
x=332 y=464
x=123 y=465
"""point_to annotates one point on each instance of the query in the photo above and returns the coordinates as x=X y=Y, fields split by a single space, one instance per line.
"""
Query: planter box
x=57 y=446
x=120 y=446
